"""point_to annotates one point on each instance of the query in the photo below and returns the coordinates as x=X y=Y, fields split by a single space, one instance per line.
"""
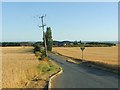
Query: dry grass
x=18 y=66
x=107 y=55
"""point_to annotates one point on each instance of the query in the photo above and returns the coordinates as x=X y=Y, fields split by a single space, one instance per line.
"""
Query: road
x=80 y=76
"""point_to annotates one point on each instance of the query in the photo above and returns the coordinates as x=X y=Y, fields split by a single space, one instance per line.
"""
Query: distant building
x=71 y=43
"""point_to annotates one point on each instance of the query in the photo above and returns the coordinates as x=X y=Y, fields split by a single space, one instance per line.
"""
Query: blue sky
x=88 y=21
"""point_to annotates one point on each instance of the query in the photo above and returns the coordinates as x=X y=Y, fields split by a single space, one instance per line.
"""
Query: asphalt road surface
x=80 y=76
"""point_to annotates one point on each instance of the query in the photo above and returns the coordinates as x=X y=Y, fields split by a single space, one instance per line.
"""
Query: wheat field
x=107 y=55
x=18 y=66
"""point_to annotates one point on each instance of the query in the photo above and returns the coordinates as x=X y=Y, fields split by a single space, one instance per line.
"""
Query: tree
x=49 y=41
x=75 y=43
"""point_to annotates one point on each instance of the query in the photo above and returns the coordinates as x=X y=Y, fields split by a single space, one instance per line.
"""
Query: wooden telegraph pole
x=44 y=37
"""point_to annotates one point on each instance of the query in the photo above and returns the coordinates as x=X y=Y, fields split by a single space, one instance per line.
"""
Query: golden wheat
x=18 y=66
x=108 y=55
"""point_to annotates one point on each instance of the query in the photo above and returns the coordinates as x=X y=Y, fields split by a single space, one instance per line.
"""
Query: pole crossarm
x=42 y=26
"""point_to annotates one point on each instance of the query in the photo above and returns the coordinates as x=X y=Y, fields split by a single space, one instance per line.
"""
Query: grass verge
x=46 y=69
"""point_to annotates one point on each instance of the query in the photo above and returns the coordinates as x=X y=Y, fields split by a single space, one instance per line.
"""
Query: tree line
x=79 y=43
x=60 y=44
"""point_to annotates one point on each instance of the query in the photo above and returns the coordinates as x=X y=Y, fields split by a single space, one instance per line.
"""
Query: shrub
x=38 y=54
x=39 y=51
x=37 y=48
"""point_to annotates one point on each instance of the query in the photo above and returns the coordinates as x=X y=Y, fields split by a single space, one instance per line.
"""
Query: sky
x=86 y=21
x=60 y=0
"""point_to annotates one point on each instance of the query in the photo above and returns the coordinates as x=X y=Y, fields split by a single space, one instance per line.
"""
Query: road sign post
x=82 y=49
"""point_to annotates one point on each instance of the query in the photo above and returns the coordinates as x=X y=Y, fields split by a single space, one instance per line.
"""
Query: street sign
x=82 y=48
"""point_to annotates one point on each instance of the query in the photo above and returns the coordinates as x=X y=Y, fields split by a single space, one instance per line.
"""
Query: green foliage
x=44 y=67
x=37 y=47
x=43 y=54
x=49 y=40
x=39 y=51
x=38 y=54
x=48 y=67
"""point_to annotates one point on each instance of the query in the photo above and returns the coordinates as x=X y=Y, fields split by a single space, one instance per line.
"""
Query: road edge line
x=50 y=79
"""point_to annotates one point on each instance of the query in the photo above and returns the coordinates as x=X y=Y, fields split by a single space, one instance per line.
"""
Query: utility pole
x=44 y=37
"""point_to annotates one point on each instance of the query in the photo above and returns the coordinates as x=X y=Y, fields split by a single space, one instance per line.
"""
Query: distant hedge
x=16 y=44
x=60 y=44
x=99 y=44
x=79 y=43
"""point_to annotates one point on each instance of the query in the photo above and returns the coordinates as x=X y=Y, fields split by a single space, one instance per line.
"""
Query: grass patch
x=47 y=67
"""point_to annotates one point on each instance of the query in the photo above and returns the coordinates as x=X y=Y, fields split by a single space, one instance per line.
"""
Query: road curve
x=80 y=76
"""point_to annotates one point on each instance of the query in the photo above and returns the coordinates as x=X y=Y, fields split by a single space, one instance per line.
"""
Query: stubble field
x=107 y=55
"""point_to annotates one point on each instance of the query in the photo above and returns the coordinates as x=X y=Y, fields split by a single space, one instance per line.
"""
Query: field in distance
x=107 y=55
